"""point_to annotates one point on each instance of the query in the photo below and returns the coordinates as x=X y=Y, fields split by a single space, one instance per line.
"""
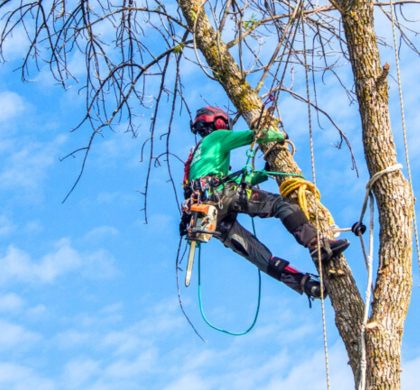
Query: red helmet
x=209 y=119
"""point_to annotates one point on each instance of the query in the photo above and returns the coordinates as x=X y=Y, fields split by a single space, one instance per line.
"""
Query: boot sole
x=335 y=252
x=340 y=249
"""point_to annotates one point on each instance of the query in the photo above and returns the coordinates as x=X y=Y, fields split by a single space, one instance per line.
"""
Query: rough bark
x=345 y=298
x=395 y=201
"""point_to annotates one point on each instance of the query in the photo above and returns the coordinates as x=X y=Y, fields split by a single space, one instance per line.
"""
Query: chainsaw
x=201 y=228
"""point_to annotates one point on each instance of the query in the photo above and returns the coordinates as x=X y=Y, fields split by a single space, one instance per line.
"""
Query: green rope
x=250 y=153
x=200 y=301
x=272 y=173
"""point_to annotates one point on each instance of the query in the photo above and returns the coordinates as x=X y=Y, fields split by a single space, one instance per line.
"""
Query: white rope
x=368 y=261
x=369 y=266
x=372 y=181
x=404 y=129
x=321 y=278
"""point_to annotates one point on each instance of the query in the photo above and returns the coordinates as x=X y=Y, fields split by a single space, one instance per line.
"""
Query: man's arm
x=270 y=135
x=235 y=139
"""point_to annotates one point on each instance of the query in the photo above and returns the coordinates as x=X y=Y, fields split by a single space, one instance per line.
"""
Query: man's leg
x=265 y=204
x=243 y=242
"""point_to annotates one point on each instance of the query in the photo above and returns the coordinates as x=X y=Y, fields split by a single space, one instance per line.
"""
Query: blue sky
x=87 y=290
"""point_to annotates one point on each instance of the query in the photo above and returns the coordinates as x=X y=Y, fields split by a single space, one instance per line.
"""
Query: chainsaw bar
x=190 y=263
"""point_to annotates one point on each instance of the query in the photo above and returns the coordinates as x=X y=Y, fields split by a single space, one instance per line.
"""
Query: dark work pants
x=258 y=203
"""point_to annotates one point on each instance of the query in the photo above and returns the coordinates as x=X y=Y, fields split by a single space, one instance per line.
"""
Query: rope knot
x=302 y=187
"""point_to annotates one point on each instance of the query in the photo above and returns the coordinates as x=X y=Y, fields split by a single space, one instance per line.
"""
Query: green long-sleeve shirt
x=212 y=156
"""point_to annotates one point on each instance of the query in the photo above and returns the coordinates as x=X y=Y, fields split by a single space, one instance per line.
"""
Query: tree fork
x=345 y=297
x=394 y=199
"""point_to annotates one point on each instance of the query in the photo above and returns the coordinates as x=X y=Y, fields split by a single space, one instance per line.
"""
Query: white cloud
x=164 y=320
x=33 y=227
x=88 y=373
x=99 y=265
x=122 y=342
x=11 y=105
x=131 y=351
x=10 y=302
x=315 y=376
x=129 y=368
x=410 y=374
x=112 y=198
x=62 y=261
x=26 y=166
x=17 y=265
x=36 y=311
x=19 y=377
x=237 y=368
x=118 y=149
x=101 y=233
x=141 y=356
x=72 y=338
x=6 y=226
x=155 y=223
x=15 y=336
x=16 y=45
x=189 y=381
x=133 y=356
x=79 y=371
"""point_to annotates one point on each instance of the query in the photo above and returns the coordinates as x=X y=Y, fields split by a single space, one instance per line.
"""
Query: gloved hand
x=183 y=224
x=286 y=136
x=271 y=134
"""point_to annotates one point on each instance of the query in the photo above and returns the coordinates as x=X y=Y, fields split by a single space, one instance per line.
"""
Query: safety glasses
x=201 y=126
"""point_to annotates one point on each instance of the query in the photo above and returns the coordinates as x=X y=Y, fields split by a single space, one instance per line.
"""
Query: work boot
x=329 y=249
x=312 y=287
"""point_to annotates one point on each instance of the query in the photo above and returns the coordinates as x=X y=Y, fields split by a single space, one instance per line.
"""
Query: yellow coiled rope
x=301 y=186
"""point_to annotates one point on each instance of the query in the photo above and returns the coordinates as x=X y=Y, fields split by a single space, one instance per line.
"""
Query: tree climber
x=207 y=178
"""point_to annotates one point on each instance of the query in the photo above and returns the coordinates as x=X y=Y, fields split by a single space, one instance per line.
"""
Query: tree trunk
x=395 y=202
x=345 y=298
